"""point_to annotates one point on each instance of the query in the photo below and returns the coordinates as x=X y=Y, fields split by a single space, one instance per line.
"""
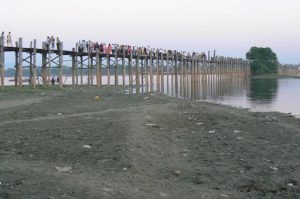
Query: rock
x=177 y=172
x=63 y=169
x=148 y=118
x=86 y=146
x=59 y=114
x=290 y=184
x=239 y=138
x=223 y=195
x=97 y=97
x=211 y=132
x=124 y=169
x=146 y=98
x=162 y=194
x=189 y=118
x=237 y=131
x=274 y=168
x=199 y=123
x=152 y=125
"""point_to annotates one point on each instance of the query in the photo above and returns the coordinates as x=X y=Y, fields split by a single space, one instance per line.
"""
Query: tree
x=263 y=60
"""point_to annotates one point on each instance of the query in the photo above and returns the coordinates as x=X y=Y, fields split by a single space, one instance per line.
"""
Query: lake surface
x=257 y=94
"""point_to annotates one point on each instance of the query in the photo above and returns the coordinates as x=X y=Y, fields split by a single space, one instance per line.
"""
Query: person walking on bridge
x=3 y=38
x=9 y=40
x=58 y=43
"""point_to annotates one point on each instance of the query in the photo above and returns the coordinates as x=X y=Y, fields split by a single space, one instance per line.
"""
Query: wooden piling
x=157 y=72
x=130 y=69
x=44 y=65
x=108 y=67
x=162 y=75
x=123 y=67
x=81 y=70
x=89 y=68
x=137 y=76
x=116 y=66
x=2 y=62
x=147 y=74
x=98 y=70
x=151 y=71
x=20 y=63
x=34 y=64
x=168 y=70
x=73 y=67
x=30 y=65
x=60 y=65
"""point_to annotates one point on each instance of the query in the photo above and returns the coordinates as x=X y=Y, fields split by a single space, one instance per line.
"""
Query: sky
x=231 y=27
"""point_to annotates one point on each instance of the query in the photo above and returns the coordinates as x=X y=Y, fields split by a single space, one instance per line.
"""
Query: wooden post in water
x=147 y=73
x=92 y=69
x=89 y=68
x=30 y=65
x=2 y=57
x=162 y=75
x=20 y=64
x=73 y=67
x=123 y=67
x=116 y=66
x=157 y=72
x=16 y=66
x=108 y=67
x=49 y=66
x=44 y=65
x=60 y=65
x=137 y=77
x=81 y=69
x=151 y=71
x=130 y=69
x=98 y=70
x=168 y=71
x=34 y=64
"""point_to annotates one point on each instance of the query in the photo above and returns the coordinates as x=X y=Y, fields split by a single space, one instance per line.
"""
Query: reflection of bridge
x=138 y=64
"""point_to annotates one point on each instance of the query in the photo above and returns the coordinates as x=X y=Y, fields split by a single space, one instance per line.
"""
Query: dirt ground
x=68 y=144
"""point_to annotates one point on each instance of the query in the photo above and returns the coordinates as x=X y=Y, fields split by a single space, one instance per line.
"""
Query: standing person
x=3 y=37
x=53 y=81
x=57 y=43
x=109 y=48
x=9 y=40
x=48 y=41
x=52 y=42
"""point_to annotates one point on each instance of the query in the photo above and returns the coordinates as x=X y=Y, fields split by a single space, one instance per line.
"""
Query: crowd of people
x=8 y=39
x=92 y=47
x=51 y=41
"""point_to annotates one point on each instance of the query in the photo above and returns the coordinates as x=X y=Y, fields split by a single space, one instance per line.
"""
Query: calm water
x=257 y=94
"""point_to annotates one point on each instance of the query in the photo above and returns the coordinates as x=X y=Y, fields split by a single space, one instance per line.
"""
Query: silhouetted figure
x=53 y=81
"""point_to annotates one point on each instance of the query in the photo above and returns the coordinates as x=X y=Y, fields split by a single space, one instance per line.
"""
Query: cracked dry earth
x=69 y=144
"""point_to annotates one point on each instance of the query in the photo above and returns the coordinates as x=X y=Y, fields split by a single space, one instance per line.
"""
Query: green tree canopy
x=263 y=60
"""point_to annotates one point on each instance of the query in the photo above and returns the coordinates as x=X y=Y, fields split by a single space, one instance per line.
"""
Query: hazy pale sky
x=229 y=26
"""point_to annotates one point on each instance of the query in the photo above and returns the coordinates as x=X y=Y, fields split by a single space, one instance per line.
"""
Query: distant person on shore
x=52 y=42
x=57 y=79
x=52 y=81
x=9 y=40
x=3 y=38
x=58 y=43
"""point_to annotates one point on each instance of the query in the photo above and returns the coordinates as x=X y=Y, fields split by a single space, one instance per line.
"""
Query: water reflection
x=263 y=89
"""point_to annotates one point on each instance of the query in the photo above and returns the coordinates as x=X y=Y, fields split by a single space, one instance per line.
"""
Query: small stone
x=97 y=97
x=177 y=173
x=152 y=125
x=86 y=146
x=124 y=169
x=290 y=184
x=146 y=98
x=223 y=195
x=274 y=168
x=63 y=169
x=239 y=138
x=211 y=132
x=148 y=118
x=199 y=123
x=162 y=194
x=189 y=118
x=237 y=131
x=59 y=114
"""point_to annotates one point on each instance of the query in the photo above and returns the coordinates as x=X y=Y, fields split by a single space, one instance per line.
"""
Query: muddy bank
x=71 y=144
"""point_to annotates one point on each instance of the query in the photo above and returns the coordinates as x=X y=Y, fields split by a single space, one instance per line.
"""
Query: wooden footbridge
x=141 y=68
